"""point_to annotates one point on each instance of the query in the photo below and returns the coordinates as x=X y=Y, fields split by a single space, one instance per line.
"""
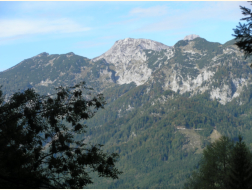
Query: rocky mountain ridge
x=158 y=119
x=190 y=65
x=199 y=70
x=129 y=58
x=132 y=64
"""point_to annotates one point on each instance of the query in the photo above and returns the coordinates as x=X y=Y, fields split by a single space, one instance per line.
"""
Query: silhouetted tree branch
x=37 y=150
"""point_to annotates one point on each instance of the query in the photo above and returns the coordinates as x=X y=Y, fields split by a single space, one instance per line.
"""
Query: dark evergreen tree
x=223 y=166
x=37 y=146
x=240 y=176
x=213 y=167
x=243 y=33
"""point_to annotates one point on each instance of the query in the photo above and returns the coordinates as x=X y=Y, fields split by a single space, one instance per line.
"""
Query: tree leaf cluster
x=38 y=149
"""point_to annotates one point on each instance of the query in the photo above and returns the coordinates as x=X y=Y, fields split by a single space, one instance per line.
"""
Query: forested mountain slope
x=164 y=104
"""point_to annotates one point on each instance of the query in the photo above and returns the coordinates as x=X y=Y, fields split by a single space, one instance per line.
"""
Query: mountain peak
x=42 y=54
x=141 y=44
x=128 y=47
x=70 y=53
x=191 y=37
x=128 y=57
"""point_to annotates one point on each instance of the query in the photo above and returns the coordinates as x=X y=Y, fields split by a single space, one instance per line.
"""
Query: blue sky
x=91 y=28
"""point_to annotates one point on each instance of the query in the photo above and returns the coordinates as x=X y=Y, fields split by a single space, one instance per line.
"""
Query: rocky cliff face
x=129 y=58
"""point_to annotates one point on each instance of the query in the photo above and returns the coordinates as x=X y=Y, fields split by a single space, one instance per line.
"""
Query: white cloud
x=149 y=12
x=18 y=27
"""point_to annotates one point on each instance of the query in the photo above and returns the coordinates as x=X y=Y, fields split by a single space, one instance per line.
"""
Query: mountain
x=191 y=37
x=164 y=103
x=44 y=71
x=129 y=57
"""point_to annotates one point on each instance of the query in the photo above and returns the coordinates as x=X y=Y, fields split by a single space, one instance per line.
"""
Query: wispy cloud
x=149 y=12
x=18 y=27
x=226 y=11
x=184 y=18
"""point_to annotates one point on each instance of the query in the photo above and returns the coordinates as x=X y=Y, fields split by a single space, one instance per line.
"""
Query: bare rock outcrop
x=129 y=59
x=191 y=37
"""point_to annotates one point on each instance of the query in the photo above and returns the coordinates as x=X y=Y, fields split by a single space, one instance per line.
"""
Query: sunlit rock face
x=130 y=60
x=191 y=37
x=176 y=82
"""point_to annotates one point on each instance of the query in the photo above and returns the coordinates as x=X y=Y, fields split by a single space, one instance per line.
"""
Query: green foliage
x=117 y=91
x=224 y=165
x=213 y=166
x=150 y=123
x=209 y=47
x=38 y=150
x=240 y=176
x=243 y=33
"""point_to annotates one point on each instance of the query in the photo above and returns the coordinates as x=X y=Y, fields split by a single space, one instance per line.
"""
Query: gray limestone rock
x=129 y=48
x=191 y=37
x=130 y=60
